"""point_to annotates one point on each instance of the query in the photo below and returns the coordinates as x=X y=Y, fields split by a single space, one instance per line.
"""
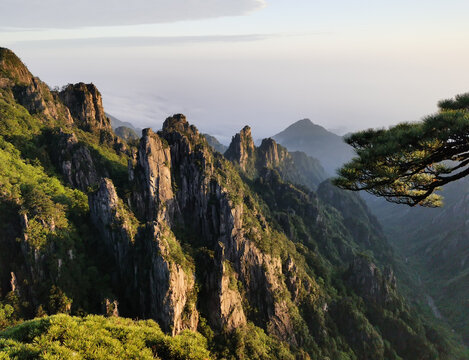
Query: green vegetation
x=252 y=343
x=96 y=337
x=432 y=242
x=43 y=199
x=408 y=164
x=344 y=229
x=174 y=252
x=6 y=316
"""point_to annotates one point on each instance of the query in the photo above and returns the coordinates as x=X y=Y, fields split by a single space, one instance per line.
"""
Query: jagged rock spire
x=242 y=149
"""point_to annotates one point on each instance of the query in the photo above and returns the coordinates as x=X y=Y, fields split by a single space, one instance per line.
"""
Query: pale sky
x=345 y=64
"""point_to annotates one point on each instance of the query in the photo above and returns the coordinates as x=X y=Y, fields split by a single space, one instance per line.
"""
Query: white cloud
x=81 y=13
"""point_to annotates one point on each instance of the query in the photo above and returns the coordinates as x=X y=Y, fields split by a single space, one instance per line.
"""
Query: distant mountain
x=126 y=133
x=213 y=142
x=116 y=123
x=317 y=142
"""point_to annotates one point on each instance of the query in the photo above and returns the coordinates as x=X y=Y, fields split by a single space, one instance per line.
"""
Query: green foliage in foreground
x=6 y=316
x=407 y=163
x=96 y=337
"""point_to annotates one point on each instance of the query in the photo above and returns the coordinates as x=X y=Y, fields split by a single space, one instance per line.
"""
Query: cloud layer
x=141 y=41
x=73 y=13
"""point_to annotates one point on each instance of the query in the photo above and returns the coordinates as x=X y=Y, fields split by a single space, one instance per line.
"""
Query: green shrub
x=96 y=337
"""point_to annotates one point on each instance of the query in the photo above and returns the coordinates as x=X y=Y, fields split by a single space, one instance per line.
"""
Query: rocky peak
x=271 y=154
x=86 y=106
x=12 y=68
x=177 y=122
x=242 y=149
x=28 y=90
x=180 y=135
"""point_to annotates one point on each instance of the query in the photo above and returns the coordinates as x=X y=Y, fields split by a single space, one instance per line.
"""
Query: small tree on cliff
x=407 y=163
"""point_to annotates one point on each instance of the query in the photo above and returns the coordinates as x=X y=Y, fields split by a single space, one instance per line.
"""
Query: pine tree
x=407 y=163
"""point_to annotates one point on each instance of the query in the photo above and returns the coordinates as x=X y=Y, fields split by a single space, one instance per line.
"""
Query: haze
x=346 y=65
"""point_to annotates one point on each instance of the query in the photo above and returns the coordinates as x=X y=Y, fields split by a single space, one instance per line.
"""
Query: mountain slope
x=172 y=231
x=116 y=123
x=362 y=233
x=213 y=142
x=434 y=243
x=126 y=133
x=317 y=142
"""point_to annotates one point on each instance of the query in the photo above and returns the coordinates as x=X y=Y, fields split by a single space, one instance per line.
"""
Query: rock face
x=272 y=155
x=206 y=208
x=153 y=176
x=165 y=282
x=261 y=276
x=74 y=160
x=171 y=282
x=226 y=299
x=109 y=215
x=242 y=149
x=178 y=158
x=86 y=106
x=156 y=286
x=38 y=99
x=368 y=281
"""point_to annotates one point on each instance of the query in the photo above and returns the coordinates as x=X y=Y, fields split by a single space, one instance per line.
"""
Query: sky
x=345 y=64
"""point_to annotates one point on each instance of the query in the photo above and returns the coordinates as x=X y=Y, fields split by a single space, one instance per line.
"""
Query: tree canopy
x=408 y=162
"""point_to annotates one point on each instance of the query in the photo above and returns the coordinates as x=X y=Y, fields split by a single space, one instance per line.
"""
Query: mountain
x=431 y=241
x=295 y=167
x=116 y=123
x=317 y=142
x=434 y=242
x=224 y=257
x=126 y=133
x=215 y=144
